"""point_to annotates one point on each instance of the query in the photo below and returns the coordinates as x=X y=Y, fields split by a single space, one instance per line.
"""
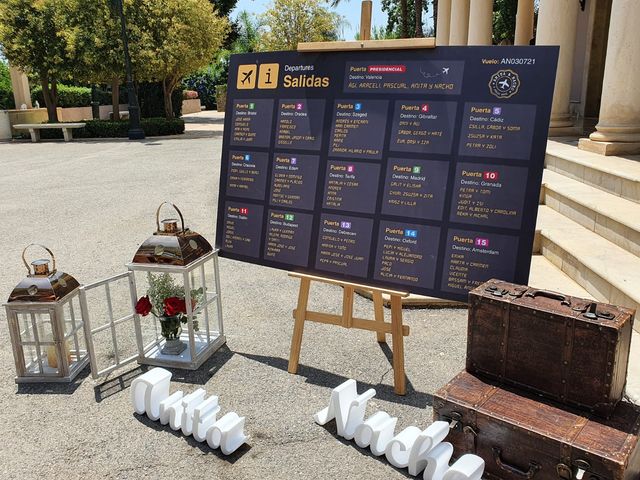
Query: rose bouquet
x=166 y=301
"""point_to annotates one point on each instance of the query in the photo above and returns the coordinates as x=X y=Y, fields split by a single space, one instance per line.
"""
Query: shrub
x=6 y=92
x=67 y=96
x=153 y=127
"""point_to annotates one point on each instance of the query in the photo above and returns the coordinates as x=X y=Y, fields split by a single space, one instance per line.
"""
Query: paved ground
x=93 y=203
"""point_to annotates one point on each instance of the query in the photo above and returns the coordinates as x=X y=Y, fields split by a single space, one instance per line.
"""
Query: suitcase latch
x=582 y=466
x=495 y=291
x=455 y=421
x=591 y=312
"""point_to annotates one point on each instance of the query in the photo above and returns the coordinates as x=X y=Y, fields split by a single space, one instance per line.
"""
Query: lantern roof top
x=171 y=245
x=43 y=285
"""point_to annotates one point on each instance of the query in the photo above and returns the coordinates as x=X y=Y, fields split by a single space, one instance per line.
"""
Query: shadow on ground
x=53 y=388
x=366 y=452
x=115 y=385
x=323 y=378
x=202 y=446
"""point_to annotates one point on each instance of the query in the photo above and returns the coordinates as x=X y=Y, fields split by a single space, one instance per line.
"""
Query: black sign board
x=417 y=170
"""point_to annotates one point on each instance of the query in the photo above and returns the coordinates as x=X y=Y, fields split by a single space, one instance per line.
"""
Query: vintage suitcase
x=521 y=438
x=569 y=349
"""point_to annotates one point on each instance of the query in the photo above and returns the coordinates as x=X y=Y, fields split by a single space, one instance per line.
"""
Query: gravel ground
x=93 y=204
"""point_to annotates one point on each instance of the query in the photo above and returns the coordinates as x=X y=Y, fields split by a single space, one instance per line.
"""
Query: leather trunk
x=568 y=349
x=521 y=438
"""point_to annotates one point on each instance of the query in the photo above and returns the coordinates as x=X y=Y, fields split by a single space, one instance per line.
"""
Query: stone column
x=459 y=22
x=480 y=22
x=524 y=22
x=20 y=87
x=443 y=21
x=557 y=22
x=618 y=129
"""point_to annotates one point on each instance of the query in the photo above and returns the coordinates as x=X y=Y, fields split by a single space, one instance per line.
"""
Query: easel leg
x=378 y=310
x=398 y=345
x=298 y=327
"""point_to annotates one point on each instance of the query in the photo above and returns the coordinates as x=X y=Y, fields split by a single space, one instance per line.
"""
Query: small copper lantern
x=45 y=324
x=184 y=258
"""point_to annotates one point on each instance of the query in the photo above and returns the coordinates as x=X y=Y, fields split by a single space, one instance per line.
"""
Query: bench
x=34 y=129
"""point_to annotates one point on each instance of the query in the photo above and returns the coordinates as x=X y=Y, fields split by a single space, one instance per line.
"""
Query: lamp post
x=135 y=130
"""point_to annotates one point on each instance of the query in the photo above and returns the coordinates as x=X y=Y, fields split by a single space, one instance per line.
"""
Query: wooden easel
x=347 y=320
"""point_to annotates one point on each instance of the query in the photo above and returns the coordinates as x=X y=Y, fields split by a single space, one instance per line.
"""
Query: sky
x=350 y=9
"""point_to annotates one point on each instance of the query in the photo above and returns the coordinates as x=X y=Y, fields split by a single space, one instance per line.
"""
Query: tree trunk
x=50 y=94
x=419 y=32
x=404 y=19
x=115 y=99
x=167 y=88
x=435 y=17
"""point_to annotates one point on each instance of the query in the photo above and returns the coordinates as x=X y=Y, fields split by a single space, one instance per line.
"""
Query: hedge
x=67 y=96
x=153 y=127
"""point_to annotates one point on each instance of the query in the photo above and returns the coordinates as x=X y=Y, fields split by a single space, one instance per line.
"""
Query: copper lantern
x=46 y=324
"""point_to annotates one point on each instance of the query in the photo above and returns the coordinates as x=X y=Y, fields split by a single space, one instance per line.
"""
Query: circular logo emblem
x=159 y=250
x=504 y=84
x=193 y=244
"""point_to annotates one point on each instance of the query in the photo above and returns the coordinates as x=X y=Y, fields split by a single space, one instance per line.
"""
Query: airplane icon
x=504 y=84
x=247 y=77
x=445 y=70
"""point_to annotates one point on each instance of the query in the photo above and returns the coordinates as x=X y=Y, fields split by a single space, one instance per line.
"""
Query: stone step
x=610 y=216
x=608 y=272
x=616 y=175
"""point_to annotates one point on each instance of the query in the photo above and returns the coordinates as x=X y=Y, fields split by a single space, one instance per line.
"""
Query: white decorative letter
x=189 y=404
x=426 y=441
x=438 y=461
x=376 y=432
x=204 y=416
x=227 y=433
x=468 y=467
x=148 y=390
x=165 y=406
x=400 y=447
x=346 y=407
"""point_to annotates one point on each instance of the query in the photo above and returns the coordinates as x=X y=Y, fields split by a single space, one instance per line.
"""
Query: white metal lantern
x=182 y=263
x=45 y=324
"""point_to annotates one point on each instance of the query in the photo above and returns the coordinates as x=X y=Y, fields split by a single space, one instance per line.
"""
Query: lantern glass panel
x=74 y=331
x=36 y=338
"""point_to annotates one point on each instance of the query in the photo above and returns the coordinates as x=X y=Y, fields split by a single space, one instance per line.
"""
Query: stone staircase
x=588 y=232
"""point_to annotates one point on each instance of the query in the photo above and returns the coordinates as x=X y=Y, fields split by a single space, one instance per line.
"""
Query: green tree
x=405 y=17
x=35 y=37
x=181 y=36
x=99 y=42
x=248 y=33
x=223 y=7
x=6 y=91
x=289 y=22
x=504 y=20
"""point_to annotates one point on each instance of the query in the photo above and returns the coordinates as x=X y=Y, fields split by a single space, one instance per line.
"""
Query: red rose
x=143 y=307
x=174 y=306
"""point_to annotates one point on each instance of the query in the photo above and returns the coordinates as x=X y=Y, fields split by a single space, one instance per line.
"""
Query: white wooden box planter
x=190 y=259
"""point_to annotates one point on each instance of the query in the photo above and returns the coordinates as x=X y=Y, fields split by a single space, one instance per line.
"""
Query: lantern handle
x=26 y=264
x=176 y=209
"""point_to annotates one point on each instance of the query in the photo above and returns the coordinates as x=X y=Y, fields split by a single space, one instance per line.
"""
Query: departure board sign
x=416 y=170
